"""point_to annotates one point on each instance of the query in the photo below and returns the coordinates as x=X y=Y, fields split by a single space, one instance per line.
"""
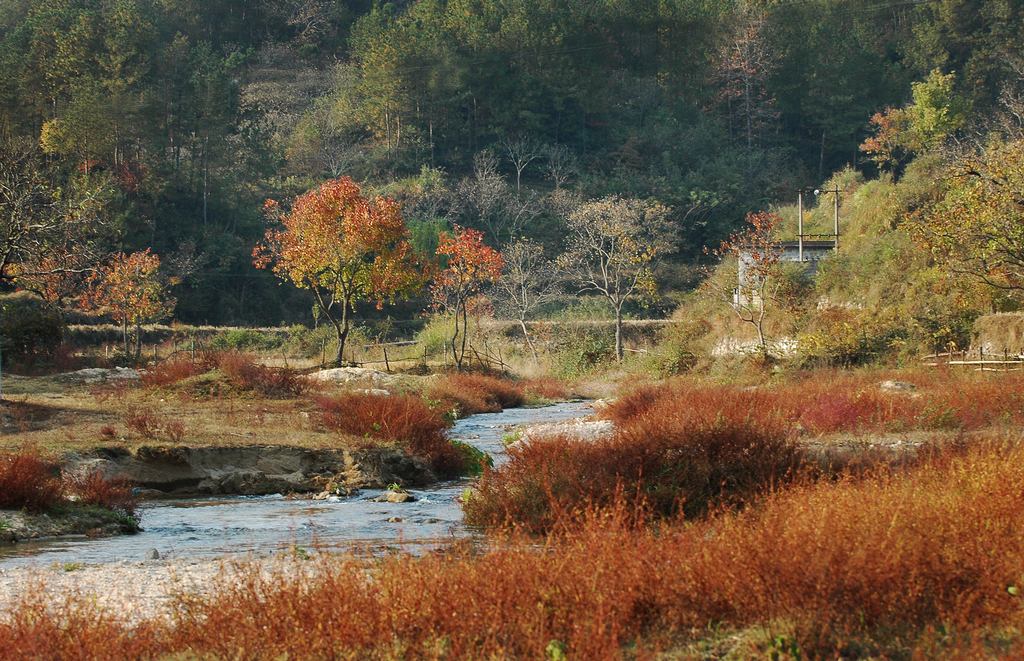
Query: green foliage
x=245 y=339
x=30 y=329
x=581 y=349
x=474 y=460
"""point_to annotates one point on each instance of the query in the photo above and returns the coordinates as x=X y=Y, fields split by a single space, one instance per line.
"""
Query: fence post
x=981 y=356
x=387 y=365
x=323 y=352
x=193 y=349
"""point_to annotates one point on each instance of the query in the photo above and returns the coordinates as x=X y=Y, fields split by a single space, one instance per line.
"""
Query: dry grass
x=924 y=563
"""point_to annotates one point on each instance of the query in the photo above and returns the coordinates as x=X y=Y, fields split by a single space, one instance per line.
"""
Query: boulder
x=395 y=497
x=896 y=386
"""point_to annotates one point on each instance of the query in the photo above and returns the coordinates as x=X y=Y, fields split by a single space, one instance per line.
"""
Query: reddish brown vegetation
x=246 y=374
x=402 y=419
x=476 y=393
x=92 y=488
x=29 y=481
x=826 y=403
x=885 y=566
x=669 y=457
x=169 y=372
x=546 y=388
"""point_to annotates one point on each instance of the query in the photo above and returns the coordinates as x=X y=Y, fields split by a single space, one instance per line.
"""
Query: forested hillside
x=165 y=124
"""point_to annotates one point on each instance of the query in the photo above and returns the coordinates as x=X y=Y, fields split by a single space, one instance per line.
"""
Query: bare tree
x=527 y=282
x=485 y=200
x=613 y=246
x=561 y=166
x=757 y=283
x=744 y=64
x=521 y=152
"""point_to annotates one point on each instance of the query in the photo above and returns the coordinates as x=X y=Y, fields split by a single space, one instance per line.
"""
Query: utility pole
x=800 y=225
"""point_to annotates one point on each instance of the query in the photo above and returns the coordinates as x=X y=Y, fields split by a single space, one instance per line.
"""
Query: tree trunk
x=124 y=335
x=526 y=336
x=456 y=358
x=138 y=341
x=618 y=334
x=465 y=333
x=342 y=327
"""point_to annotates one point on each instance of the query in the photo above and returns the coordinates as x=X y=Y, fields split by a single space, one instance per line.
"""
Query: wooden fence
x=978 y=359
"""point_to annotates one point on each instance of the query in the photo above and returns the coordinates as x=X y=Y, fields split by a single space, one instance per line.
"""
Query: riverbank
x=71 y=519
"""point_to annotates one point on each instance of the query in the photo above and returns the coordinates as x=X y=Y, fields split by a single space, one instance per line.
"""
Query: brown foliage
x=924 y=562
x=402 y=419
x=676 y=455
x=171 y=371
x=92 y=488
x=476 y=393
x=246 y=374
x=29 y=481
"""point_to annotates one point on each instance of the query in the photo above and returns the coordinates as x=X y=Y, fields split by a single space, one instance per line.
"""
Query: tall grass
x=925 y=563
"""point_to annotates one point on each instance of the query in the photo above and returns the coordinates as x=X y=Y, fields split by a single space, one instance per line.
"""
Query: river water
x=222 y=526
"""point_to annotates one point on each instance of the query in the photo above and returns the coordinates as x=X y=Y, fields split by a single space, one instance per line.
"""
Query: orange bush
x=686 y=456
x=925 y=563
x=402 y=419
x=476 y=393
x=28 y=481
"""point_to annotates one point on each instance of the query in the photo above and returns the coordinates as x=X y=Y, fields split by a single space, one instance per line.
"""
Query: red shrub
x=679 y=454
x=246 y=374
x=920 y=564
x=476 y=393
x=171 y=371
x=547 y=388
x=402 y=419
x=143 y=423
x=92 y=488
x=28 y=481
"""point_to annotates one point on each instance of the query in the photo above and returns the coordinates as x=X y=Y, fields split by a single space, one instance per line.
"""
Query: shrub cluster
x=30 y=481
x=246 y=374
x=171 y=371
x=920 y=564
x=467 y=394
x=405 y=420
x=675 y=455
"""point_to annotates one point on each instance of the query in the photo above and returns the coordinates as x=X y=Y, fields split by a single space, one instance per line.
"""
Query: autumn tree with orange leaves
x=343 y=247
x=132 y=290
x=470 y=264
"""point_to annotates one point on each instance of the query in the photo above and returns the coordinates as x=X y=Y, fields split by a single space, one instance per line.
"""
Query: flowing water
x=214 y=527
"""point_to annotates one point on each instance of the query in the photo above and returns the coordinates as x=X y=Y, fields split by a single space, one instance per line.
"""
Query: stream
x=219 y=526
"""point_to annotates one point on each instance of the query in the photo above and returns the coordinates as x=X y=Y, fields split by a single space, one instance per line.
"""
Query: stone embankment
x=253 y=470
